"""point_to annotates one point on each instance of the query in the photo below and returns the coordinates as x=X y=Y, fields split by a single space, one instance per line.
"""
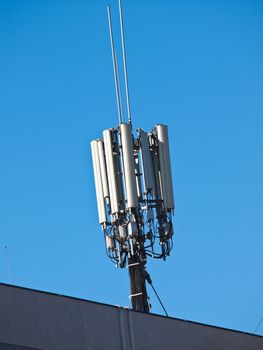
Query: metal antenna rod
x=258 y=325
x=114 y=67
x=119 y=86
x=125 y=64
x=8 y=265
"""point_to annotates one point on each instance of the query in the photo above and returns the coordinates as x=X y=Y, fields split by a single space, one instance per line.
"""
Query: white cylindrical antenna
x=113 y=180
x=147 y=164
x=128 y=165
x=125 y=64
x=103 y=169
x=98 y=182
x=115 y=69
x=165 y=166
x=8 y=265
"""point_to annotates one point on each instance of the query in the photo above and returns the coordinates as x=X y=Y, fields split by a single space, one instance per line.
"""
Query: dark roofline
x=125 y=308
x=20 y=346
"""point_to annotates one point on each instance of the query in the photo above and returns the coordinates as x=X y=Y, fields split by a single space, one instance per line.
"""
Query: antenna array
x=134 y=192
x=134 y=189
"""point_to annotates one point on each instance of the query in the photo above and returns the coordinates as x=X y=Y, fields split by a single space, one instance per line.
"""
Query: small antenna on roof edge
x=7 y=264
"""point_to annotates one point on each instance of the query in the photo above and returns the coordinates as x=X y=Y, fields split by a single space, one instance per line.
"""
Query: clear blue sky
x=194 y=65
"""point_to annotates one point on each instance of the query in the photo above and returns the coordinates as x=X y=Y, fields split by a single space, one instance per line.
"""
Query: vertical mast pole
x=125 y=64
x=136 y=263
x=139 y=297
x=117 y=89
x=119 y=85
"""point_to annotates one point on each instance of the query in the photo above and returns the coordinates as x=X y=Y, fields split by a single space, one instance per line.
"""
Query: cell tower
x=134 y=190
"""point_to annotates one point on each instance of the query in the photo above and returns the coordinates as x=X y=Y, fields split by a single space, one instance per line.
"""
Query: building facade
x=35 y=320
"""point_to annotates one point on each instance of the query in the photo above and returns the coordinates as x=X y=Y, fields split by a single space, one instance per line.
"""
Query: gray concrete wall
x=45 y=321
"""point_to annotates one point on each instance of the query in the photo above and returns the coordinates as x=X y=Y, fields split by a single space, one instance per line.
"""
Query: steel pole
x=139 y=297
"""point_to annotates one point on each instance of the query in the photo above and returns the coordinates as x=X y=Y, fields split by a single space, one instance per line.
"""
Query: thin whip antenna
x=117 y=89
x=125 y=64
x=7 y=264
x=119 y=86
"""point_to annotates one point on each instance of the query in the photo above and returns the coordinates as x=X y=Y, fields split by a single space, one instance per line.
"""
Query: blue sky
x=194 y=65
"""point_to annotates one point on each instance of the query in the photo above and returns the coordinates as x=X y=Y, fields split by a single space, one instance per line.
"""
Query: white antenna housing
x=111 y=171
x=103 y=169
x=147 y=166
x=165 y=166
x=128 y=165
x=98 y=182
